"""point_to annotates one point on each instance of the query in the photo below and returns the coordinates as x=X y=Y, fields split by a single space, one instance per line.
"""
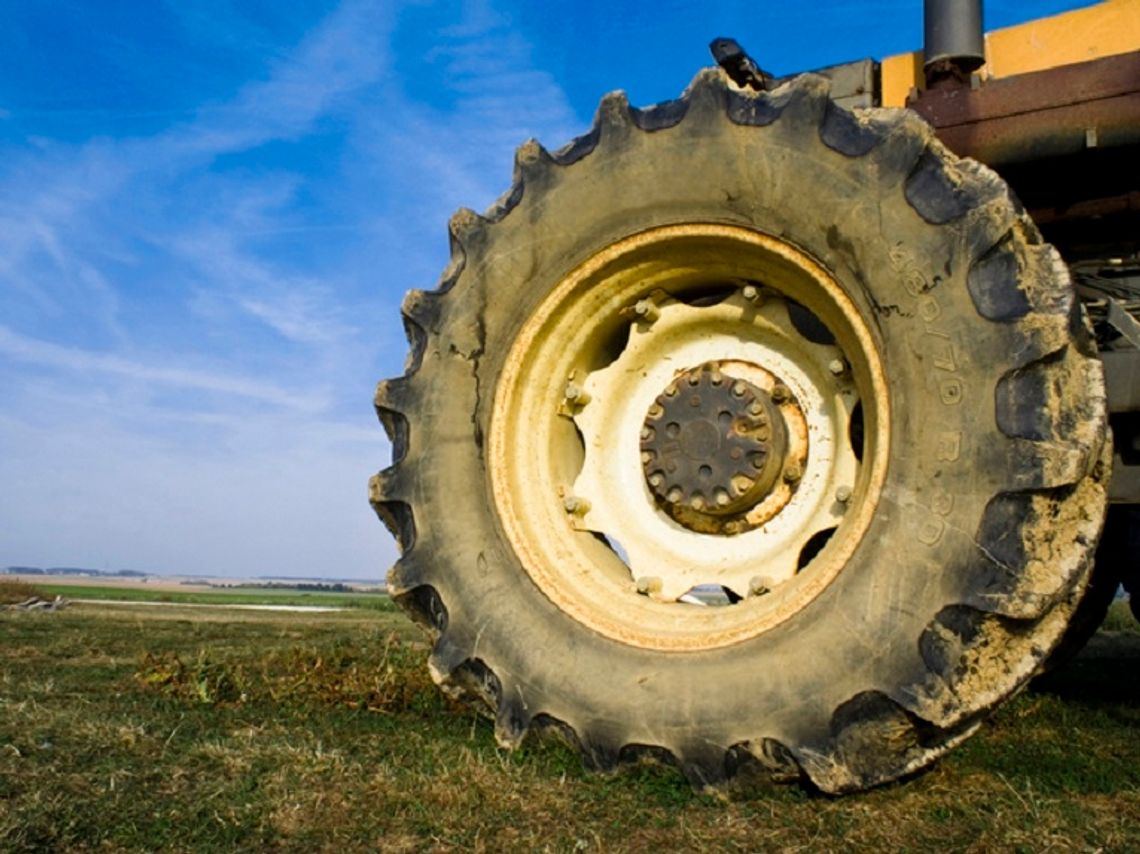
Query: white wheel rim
x=553 y=497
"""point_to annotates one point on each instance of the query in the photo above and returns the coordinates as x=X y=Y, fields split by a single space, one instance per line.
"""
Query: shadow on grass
x=1102 y=674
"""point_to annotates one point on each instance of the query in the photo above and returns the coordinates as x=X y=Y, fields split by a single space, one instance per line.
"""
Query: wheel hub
x=712 y=446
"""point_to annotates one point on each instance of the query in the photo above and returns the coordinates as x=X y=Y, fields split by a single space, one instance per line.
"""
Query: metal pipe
x=953 y=35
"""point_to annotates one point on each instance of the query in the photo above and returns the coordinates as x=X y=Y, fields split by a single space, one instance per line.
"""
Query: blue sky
x=210 y=210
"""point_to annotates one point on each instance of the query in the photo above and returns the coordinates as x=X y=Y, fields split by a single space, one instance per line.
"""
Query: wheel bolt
x=843 y=494
x=738 y=389
x=575 y=505
x=657 y=479
x=721 y=497
x=576 y=394
x=780 y=393
x=759 y=585
x=648 y=584
x=675 y=495
x=646 y=310
x=646 y=433
x=696 y=502
x=793 y=473
x=837 y=366
x=752 y=294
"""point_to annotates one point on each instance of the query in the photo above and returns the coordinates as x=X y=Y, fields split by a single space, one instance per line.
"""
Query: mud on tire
x=974 y=484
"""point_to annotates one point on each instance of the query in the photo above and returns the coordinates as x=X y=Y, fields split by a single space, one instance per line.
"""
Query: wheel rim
x=581 y=481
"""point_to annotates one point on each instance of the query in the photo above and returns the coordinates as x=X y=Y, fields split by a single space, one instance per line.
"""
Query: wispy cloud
x=218 y=297
x=43 y=354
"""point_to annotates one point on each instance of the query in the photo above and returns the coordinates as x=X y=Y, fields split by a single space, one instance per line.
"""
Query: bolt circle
x=712 y=452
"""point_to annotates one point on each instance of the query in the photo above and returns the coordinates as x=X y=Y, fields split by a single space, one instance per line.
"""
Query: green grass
x=220 y=596
x=203 y=730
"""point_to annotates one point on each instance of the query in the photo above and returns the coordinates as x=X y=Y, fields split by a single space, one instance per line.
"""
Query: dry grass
x=13 y=592
x=128 y=730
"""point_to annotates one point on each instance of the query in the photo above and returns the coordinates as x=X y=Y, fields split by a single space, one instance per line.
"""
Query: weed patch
x=377 y=675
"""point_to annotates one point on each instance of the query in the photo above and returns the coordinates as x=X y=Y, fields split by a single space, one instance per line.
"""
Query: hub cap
x=712 y=446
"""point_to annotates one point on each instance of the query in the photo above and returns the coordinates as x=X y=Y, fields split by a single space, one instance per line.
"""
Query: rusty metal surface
x=1048 y=113
x=1122 y=379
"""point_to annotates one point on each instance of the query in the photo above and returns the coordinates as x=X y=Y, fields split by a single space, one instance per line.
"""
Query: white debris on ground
x=36 y=603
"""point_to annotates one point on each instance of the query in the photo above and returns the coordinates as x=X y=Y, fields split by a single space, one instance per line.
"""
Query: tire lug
x=657 y=479
x=675 y=495
x=738 y=389
x=793 y=473
x=838 y=367
x=780 y=393
x=843 y=494
x=721 y=497
x=697 y=502
x=752 y=294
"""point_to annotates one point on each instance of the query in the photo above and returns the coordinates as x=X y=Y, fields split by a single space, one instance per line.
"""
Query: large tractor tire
x=756 y=351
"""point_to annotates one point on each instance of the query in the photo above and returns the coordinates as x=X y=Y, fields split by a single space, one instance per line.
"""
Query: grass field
x=216 y=596
x=144 y=728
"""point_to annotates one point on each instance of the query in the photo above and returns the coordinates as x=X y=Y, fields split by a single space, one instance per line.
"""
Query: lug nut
x=759 y=585
x=648 y=584
x=738 y=389
x=646 y=310
x=576 y=394
x=793 y=473
x=780 y=393
x=697 y=502
x=674 y=495
x=721 y=497
x=837 y=366
x=742 y=483
x=646 y=433
x=575 y=506
x=752 y=294
x=657 y=479
x=843 y=494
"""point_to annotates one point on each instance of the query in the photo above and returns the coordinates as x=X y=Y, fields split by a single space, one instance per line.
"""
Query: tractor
x=793 y=425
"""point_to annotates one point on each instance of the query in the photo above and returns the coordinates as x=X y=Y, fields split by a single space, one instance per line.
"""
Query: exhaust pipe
x=953 y=41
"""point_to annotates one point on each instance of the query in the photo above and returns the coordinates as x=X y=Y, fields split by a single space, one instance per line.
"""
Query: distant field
x=198 y=729
x=165 y=590
x=229 y=596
